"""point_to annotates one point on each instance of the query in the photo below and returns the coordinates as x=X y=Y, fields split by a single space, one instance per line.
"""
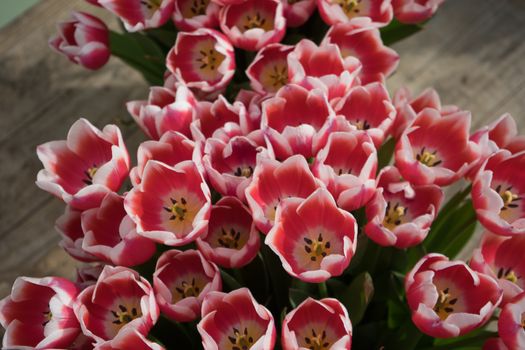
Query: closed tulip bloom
x=317 y=324
x=449 y=299
x=84 y=39
x=140 y=14
x=69 y=227
x=236 y=321
x=182 y=279
x=415 y=11
x=297 y=12
x=232 y=240
x=38 y=314
x=120 y=301
x=84 y=168
x=314 y=239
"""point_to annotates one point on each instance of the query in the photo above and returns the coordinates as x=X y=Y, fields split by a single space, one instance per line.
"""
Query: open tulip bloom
x=282 y=196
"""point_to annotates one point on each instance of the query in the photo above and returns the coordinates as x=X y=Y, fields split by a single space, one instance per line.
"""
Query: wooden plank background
x=473 y=53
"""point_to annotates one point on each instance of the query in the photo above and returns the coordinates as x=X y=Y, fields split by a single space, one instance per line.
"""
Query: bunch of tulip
x=284 y=199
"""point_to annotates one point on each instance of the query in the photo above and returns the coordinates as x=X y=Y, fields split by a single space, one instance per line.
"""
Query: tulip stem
x=323 y=290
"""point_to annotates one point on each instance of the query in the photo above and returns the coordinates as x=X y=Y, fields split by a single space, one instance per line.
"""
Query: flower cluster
x=294 y=170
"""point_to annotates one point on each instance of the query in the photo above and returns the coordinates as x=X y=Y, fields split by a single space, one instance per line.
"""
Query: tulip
x=415 y=11
x=232 y=240
x=191 y=15
x=317 y=324
x=69 y=227
x=297 y=12
x=375 y=12
x=84 y=168
x=129 y=339
x=140 y=14
x=236 y=321
x=39 y=314
x=171 y=205
x=314 y=239
x=84 y=39
x=511 y=321
x=269 y=70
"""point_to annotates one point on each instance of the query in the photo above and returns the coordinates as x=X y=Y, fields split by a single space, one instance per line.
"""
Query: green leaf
x=385 y=153
x=230 y=281
x=397 y=314
x=357 y=296
x=397 y=31
x=297 y=296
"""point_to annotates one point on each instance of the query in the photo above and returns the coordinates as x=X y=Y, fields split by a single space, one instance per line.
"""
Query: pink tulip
x=69 y=227
x=251 y=25
x=236 y=321
x=274 y=181
x=129 y=338
x=364 y=43
x=269 y=70
x=232 y=239
x=140 y=14
x=425 y=156
x=202 y=59
x=88 y=275
x=415 y=11
x=194 y=14
x=297 y=12
x=447 y=298
x=39 y=314
x=120 y=301
x=314 y=239
x=230 y=165
x=252 y=102
x=171 y=205
x=165 y=110
x=84 y=39
x=110 y=235
x=292 y=119
x=84 y=168
x=502 y=259
x=347 y=165
x=317 y=324
x=497 y=193
x=376 y=12
x=368 y=108
x=172 y=148
x=181 y=281
x=400 y=215
x=511 y=321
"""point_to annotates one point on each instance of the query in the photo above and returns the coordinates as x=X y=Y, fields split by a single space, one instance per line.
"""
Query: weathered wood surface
x=473 y=52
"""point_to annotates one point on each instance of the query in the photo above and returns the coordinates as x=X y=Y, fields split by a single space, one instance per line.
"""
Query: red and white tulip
x=415 y=11
x=269 y=70
x=375 y=12
x=140 y=14
x=297 y=12
x=194 y=14
x=511 y=323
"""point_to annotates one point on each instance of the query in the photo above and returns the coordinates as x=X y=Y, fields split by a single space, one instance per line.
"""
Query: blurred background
x=472 y=52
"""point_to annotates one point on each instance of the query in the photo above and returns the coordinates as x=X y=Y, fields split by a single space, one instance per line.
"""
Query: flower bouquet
x=283 y=198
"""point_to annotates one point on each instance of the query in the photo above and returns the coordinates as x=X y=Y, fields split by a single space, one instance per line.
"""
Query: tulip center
x=361 y=124
x=509 y=198
x=47 y=317
x=278 y=76
x=208 y=59
x=317 y=341
x=90 y=173
x=316 y=248
x=241 y=340
x=428 y=158
x=196 y=8
x=508 y=274
x=245 y=171
x=151 y=6
x=445 y=304
x=255 y=20
x=123 y=315
x=351 y=8
x=229 y=239
x=394 y=215
x=188 y=289
x=177 y=209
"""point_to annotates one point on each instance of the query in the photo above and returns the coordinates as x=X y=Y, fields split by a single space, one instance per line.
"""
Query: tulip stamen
x=445 y=304
x=151 y=5
x=428 y=158
x=47 y=316
x=188 y=289
x=124 y=316
x=241 y=341
x=90 y=173
x=394 y=215
x=198 y=7
x=245 y=171
x=509 y=275
x=361 y=124
x=317 y=341
x=177 y=209
x=349 y=7
x=316 y=248
x=342 y=171
x=256 y=21
x=279 y=76
x=509 y=197
x=229 y=239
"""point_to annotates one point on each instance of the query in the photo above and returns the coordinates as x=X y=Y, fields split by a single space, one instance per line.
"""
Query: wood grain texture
x=472 y=53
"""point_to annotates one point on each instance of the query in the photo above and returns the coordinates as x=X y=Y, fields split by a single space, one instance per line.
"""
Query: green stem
x=323 y=290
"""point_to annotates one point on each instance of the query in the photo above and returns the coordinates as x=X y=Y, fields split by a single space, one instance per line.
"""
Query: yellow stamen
x=445 y=304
